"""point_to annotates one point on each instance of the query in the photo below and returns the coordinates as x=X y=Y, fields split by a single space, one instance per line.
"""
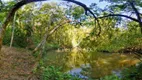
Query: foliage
x=4 y=8
x=7 y=37
x=20 y=38
x=122 y=41
x=78 y=12
x=113 y=38
x=54 y=73
x=69 y=36
x=111 y=77
x=108 y=30
x=34 y=21
x=118 y=6
x=132 y=73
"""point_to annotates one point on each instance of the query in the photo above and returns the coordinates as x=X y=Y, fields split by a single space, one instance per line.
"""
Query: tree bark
x=137 y=14
x=24 y=2
x=46 y=36
x=13 y=29
x=11 y=15
x=125 y=16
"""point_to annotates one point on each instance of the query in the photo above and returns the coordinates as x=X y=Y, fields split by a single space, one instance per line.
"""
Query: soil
x=15 y=63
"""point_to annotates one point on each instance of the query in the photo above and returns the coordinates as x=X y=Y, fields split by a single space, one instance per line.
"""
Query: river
x=90 y=64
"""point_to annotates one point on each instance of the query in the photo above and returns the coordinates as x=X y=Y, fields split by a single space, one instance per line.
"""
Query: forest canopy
x=62 y=36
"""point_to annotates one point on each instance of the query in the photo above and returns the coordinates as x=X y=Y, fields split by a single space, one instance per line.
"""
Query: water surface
x=90 y=64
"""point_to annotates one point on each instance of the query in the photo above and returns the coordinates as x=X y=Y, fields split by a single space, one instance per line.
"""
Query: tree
x=24 y=2
x=13 y=29
x=118 y=8
x=75 y=13
x=131 y=3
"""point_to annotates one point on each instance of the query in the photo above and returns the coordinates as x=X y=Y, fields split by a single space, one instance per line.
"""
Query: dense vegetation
x=77 y=35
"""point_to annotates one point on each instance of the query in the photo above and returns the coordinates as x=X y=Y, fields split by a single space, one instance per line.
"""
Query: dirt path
x=16 y=64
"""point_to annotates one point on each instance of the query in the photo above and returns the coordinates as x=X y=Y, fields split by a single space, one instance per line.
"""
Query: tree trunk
x=46 y=36
x=137 y=14
x=24 y=2
x=140 y=24
x=13 y=29
x=11 y=15
x=0 y=43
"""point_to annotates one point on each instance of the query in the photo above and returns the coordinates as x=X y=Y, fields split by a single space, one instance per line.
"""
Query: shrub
x=132 y=73
x=111 y=77
x=19 y=38
x=7 y=37
x=53 y=73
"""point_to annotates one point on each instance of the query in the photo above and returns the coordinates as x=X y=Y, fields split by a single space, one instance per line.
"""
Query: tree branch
x=121 y=15
x=12 y=13
x=48 y=35
x=24 y=2
x=137 y=13
x=87 y=9
x=82 y=5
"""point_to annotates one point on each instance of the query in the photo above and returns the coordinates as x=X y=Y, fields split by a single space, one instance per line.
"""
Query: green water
x=92 y=64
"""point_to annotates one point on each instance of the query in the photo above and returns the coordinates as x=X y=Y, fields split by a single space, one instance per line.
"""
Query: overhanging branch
x=12 y=13
x=121 y=15
x=82 y=5
x=87 y=9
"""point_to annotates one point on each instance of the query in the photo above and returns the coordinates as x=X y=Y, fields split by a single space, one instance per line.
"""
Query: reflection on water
x=117 y=73
x=92 y=64
x=77 y=71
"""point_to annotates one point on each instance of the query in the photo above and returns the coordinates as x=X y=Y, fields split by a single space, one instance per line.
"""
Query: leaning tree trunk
x=24 y=2
x=48 y=35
